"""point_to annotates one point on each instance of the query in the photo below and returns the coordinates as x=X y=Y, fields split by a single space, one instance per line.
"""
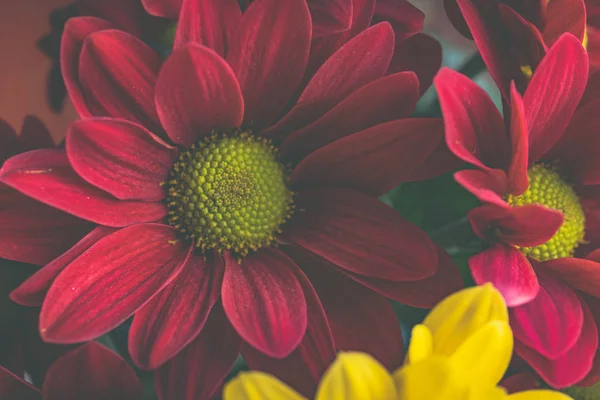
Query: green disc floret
x=548 y=188
x=229 y=192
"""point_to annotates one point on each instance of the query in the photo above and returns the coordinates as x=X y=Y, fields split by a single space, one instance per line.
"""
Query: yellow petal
x=421 y=344
x=356 y=376
x=539 y=395
x=256 y=385
x=485 y=355
x=461 y=314
x=430 y=379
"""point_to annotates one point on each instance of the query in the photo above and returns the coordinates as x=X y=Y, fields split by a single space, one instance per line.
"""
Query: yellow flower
x=459 y=352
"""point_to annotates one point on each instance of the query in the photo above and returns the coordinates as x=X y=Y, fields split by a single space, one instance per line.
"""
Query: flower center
x=228 y=192
x=547 y=188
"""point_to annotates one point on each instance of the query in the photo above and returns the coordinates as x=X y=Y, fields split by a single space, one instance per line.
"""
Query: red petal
x=34 y=134
x=489 y=41
x=339 y=76
x=32 y=232
x=361 y=234
x=373 y=161
x=577 y=149
x=385 y=99
x=528 y=226
x=305 y=366
x=197 y=92
x=406 y=19
x=571 y=367
x=350 y=310
x=424 y=293
x=197 y=371
x=554 y=93
x=420 y=53
x=565 y=16
x=441 y=161
x=120 y=157
x=75 y=32
x=330 y=16
x=551 y=323
x=510 y=272
x=578 y=273
x=127 y=15
x=117 y=73
x=91 y=372
x=174 y=317
x=14 y=388
x=474 y=127
x=47 y=176
x=488 y=186
x=518 y=181
x=110 y=281
x=209 y=23
x=269 y=54
x=32 y=292
x=264 y=301
x=163 y=8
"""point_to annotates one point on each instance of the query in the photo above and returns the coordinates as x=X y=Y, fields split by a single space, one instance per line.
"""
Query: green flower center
x=229 y=192
x=547 y=188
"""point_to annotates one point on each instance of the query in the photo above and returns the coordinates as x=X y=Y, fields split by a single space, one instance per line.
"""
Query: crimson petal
x=197 y=92
x=579 y=273
x=349 y=307
x=554 y=93
x=33 y=232
x=339 y=76
x=265 y=302
x=488 y=185
x=518 y=181
x=174 y=317
x=305 y=366
x=75 y=32
x=117 y=73
x=474 y=127
x=385 y=99
x=330 y=16
x=571 y=367
x=14 y=388
x=551 y=323
x=373 y=161
x=420 y=53
x=47 y=176
x=163 y=8
x=509 y=271
x=425 y=293
x=32 y=292
x=110 y=281
x=197 y=371
x=209 y=23
x=91 y=372
x=120 y=157
x=528 y=226
x=361 y=234
x=269 y=54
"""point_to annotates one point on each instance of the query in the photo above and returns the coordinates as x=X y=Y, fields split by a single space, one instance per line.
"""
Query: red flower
x=89 y=372
x=514 y=35
x=536 y=181
x=189 y=238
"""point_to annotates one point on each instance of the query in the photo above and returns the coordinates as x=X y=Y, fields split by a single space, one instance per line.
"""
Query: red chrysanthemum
x=514 y=35
x=537 y=181
x=258 y=228
x=90 y=372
